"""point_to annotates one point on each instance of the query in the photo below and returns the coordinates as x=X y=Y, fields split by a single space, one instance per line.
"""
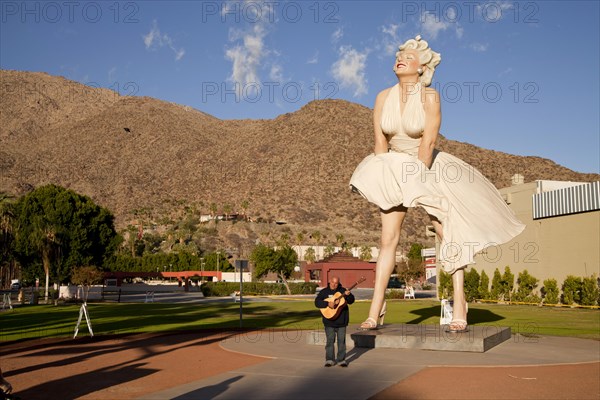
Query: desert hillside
x=151 y=161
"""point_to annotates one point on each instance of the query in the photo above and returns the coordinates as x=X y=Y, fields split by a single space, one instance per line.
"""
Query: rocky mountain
x=148 y=160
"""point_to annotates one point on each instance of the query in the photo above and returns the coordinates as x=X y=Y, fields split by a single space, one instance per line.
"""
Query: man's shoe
x=329 y=363
x=343 y=364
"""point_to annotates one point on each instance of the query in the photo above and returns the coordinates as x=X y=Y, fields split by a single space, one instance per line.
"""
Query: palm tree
x=365 y=253
x=245 y=204
x=299 y=241
x=329 y=250
x=7 y=231
x=227 y=210
x=284 y=239
x=309 y=255
x=45 y=237
x=316 y=235
x=213 y=209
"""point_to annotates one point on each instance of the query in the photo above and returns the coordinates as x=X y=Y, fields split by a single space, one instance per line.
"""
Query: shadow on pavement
x=209 y=392
x=475 y=315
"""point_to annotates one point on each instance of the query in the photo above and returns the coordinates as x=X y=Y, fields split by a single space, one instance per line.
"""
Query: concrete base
x=478 y=339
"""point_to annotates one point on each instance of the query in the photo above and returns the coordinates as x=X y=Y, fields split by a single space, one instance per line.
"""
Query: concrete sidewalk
x=296 y=370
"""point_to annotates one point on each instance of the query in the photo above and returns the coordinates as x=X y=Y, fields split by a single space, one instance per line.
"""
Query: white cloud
x=314 y=59
x=337 y=35
x=493 y=11
x=276 y=73
x=391 y=41
x=479 y=47
x=155 y=40
x=432 y=25
x=248 y=56
x=349 y=70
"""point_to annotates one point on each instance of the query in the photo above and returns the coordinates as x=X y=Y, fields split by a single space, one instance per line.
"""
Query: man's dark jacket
x=344 y=317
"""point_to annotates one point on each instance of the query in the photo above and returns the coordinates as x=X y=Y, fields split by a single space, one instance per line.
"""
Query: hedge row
x=575 y=290
x=256 y=288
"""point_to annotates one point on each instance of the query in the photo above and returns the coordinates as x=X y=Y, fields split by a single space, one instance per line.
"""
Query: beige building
x=562 y=236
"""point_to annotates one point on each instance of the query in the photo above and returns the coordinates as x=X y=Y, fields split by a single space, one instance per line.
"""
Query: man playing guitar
x=329 y=300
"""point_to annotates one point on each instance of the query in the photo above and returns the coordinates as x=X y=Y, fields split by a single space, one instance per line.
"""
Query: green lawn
x=34 y=322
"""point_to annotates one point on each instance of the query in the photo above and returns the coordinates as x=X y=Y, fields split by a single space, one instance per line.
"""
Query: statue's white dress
x=471 y=210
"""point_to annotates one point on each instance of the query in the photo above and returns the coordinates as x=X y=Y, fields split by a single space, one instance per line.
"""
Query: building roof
x=570 y=199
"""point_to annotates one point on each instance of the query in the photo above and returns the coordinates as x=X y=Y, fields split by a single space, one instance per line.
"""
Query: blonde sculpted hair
x=427 y=57
x=413 y=121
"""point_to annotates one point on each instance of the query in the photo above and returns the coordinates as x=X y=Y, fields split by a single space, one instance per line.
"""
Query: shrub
x=484 y=286
x=508 y=283
x=550 y=291
x=527 y=283
x=496 y=285
x=394 y=294
x=589 y=291
x=219 y=289
x=445 y=288
x=571 y=290
x=472 y=282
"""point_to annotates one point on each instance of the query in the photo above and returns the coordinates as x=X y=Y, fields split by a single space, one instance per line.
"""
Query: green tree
x=484 y=286
x=411 y=269
x=415 y=252
x=365 y=253
x=7 y=239
x=152 y=242
x=339 y=239
x=526 y=285
x=213 y=209
x=445 y=286
x=317 y=236
x=589 y=291
x=309 y=255
x=227 y=210
x=284 y=240
x=571 y=290
x=508 y=283
x=472 y=282
x=281 y=261
x=63 y=229
x=245 y=204
x=86 y=277
x=497 y=288
x=131 y=232
x=329 y=250
x=299 y=239
x=550 y=291
x=217 y=261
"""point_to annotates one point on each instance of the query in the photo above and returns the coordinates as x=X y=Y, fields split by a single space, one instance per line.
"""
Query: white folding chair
x=446 y=312
x=410 y=293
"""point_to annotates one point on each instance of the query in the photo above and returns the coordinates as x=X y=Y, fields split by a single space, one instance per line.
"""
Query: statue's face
x=407 y=62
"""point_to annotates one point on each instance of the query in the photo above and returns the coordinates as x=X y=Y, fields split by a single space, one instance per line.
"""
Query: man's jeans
x=331 y=333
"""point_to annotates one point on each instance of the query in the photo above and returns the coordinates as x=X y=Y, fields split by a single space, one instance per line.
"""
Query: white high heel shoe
x=372 y=324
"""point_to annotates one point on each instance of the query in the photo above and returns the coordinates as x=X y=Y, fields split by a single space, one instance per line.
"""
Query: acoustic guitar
x=339 y=301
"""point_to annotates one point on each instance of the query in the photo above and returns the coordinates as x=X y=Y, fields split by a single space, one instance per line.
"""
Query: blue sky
x=520 y=77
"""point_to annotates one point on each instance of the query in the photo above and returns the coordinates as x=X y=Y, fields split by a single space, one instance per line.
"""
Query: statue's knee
x=389 y=240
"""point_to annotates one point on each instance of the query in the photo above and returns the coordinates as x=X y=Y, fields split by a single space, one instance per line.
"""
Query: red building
x=343 y=265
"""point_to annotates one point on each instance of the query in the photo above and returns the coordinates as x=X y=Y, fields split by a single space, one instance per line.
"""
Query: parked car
x=15 y=286
x=396 y=284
